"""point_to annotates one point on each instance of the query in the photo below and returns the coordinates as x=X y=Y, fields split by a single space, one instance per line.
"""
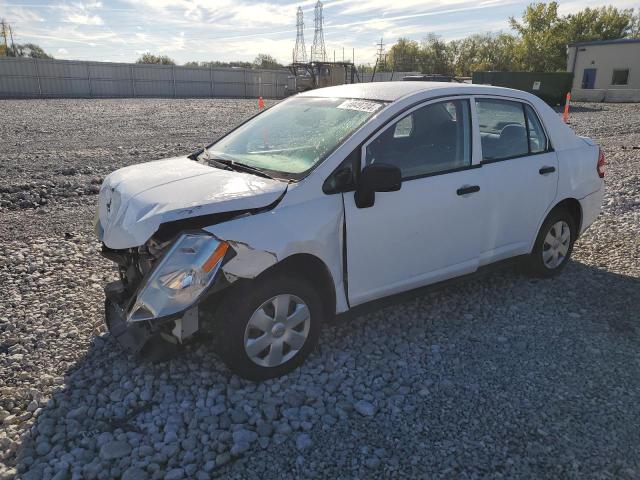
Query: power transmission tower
x=318 y=52
x=300 y=51
x=382 y=56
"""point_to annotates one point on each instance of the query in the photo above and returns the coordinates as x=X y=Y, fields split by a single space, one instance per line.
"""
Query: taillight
x=600 y=167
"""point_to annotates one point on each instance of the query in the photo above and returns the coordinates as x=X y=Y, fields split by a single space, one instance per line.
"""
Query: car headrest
x=513 y=133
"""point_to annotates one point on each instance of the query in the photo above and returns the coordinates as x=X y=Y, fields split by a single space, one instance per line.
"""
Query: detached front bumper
x=166 y=300
x=135 y=336
x=132 y=336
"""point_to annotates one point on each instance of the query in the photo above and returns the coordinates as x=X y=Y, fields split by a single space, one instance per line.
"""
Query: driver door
x=430 y=229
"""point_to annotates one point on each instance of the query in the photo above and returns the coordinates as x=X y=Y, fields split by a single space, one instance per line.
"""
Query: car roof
x=392 y=91
x=562 y=137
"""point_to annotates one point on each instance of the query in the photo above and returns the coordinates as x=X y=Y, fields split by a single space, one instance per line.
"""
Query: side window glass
x=503 y=132
x=432 y=139
x=404 y=127
x=537 y=138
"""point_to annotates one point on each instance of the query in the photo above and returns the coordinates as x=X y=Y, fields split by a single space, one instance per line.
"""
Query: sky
x=200 y=30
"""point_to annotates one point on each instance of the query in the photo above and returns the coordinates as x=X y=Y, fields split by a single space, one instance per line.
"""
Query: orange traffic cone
x=565 y=115
x=260 y=103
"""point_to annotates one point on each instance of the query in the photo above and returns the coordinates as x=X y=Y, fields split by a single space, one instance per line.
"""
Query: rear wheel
x=269 y=326
x=554 y=244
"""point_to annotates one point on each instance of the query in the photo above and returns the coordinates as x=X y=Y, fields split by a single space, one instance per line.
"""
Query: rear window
x=503 y=131
x=509 y=129
x=537 y=138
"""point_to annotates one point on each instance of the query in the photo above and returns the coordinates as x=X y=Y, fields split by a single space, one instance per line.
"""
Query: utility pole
x=3 y=32
x=13 y=45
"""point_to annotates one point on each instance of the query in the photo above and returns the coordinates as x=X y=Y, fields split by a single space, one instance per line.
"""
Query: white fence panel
x=193 y=89
x=28 y=77
x=112 y=88
x=18 y=87
x=153 y=72
x=233 y=90
x=154 y=89
x=110 y=71
x=184 y=74
x=19 y=67
x=56 y=69
x=64 y=87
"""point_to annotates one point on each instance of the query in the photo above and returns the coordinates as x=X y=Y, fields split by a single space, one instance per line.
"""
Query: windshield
x=292 y=137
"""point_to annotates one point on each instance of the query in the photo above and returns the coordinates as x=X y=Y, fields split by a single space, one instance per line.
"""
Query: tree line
x=263 y=60
x=30 y=50
x=539 y=42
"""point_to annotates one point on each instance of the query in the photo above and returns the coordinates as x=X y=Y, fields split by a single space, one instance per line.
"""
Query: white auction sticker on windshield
x=360 y=105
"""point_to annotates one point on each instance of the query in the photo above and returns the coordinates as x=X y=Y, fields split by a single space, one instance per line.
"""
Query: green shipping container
x=551 y=87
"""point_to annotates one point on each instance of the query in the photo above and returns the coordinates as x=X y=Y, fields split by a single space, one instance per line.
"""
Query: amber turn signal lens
x=216 y=256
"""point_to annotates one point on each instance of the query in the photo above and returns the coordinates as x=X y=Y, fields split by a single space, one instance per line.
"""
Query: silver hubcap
x=556 y=244
x=277 y=330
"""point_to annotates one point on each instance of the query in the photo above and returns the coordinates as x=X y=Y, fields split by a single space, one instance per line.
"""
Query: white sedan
x=333 y=198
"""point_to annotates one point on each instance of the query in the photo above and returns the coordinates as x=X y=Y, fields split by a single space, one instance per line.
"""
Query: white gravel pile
x=493 y=376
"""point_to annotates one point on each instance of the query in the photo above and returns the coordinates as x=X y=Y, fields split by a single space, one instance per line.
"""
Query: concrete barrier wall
x=33 y=78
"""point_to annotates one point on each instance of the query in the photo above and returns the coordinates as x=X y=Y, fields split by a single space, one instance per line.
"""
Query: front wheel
x=269 y=326
x=554 y=245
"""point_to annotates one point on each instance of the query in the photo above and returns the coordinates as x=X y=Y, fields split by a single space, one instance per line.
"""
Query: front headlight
x=181 y=276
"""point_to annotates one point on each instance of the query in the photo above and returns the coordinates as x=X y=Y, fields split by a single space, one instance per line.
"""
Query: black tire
x=240 y=303
x=535 y=263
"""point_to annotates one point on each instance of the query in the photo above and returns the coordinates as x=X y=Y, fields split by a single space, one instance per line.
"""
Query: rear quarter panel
x=577 y=172
x=577 y=163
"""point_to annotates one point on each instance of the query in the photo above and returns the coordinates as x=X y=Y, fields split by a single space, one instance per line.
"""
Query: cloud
x=82 y=19
x=240 y=29
x=177 y=43
x=63 y=51
x=221 y=13
x=22 y=15
x=565 y=8
x=384 y=6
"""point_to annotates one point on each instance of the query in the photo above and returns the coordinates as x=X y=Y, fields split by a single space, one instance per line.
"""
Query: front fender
x=313 y=227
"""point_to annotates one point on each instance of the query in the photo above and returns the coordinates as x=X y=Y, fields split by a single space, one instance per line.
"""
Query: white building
x=605 y=70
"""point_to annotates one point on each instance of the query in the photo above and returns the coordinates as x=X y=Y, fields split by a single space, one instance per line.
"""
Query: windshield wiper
x=243 y=167
x=214 y=162
x=227 y=164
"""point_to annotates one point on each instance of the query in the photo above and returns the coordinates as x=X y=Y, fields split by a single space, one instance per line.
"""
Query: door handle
x=545 y=170
x=468 y=189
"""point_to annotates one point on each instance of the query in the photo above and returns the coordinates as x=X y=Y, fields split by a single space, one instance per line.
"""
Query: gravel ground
x=492 y=376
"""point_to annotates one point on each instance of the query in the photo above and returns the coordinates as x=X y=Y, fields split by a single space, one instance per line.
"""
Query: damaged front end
x=160 y=288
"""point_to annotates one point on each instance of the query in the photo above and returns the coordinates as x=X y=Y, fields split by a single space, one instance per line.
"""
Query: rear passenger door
x=520 y=170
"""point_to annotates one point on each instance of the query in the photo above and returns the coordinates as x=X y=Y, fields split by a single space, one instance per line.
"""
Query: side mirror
x=377 y=177
x=339 y=181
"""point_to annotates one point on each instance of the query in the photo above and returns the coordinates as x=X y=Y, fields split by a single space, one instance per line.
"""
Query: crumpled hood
x=134 y=201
